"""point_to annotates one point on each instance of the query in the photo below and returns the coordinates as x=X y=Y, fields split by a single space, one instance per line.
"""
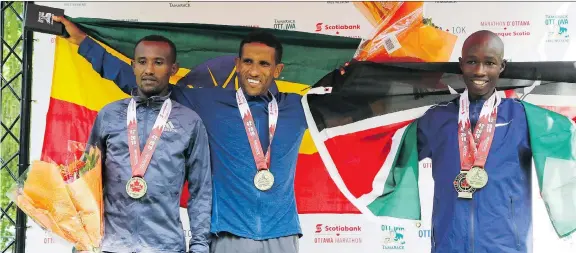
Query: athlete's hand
x=343 y=68
x=342 y=71
x=76 y=35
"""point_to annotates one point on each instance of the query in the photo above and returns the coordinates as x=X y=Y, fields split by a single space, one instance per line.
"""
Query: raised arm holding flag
x=481 y=144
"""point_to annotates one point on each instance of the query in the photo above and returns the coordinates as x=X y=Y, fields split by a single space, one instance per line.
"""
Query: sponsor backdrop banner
x=530 y=31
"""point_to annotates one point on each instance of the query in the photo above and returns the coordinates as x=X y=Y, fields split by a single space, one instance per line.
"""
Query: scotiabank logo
x=321 y=26
x=337 y=234
x=318 y=228
x=337 y=228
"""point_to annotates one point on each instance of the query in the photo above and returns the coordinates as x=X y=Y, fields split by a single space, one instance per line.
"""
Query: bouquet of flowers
x=66 y=200
x=402 y=34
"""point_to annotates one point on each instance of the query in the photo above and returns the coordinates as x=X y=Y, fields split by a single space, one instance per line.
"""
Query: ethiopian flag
x=375 y=106
x=206 y=56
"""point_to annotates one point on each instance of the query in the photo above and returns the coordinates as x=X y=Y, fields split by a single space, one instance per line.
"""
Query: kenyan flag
x=373 y=108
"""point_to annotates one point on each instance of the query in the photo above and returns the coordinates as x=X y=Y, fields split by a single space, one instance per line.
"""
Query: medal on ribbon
x=462 y=187
x=137 y=187
x=474 y=146
x=477 y=177
x=263 y=180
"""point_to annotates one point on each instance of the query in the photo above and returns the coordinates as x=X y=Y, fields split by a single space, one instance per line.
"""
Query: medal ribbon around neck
x=140 y=161
x=262 y=161
x=474 y=147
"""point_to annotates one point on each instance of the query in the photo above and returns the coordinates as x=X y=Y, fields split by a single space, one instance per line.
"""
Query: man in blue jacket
x=254 y=133
x=150 y=144
x=476 y=138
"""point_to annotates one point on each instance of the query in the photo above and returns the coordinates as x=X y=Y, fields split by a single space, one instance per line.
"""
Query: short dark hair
x=266 y=38
x=159 y=38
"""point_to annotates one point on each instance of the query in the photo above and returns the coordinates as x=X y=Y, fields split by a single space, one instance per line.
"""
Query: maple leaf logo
x=136 y=186
x=464 y=184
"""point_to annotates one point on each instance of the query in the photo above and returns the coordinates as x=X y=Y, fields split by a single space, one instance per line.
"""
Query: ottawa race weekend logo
x=392 y=237
x=557 y=26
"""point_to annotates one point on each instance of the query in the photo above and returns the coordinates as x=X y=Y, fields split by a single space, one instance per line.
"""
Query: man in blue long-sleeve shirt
x=150 y=144
x=254 y=205
x=490 y=213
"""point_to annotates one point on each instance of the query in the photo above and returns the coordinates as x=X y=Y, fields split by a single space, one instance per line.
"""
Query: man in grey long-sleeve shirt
x=141 y=196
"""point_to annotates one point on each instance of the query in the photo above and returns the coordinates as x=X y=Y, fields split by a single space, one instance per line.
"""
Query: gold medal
x=264 y=180
x=477 y=177
x=136 y=187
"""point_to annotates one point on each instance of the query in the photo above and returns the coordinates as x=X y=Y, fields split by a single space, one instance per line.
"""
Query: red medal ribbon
x=139 y=162
x=474 y=147
x=262 y=160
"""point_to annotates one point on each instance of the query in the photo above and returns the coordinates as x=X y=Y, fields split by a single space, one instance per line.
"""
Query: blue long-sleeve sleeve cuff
x=86 y=45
